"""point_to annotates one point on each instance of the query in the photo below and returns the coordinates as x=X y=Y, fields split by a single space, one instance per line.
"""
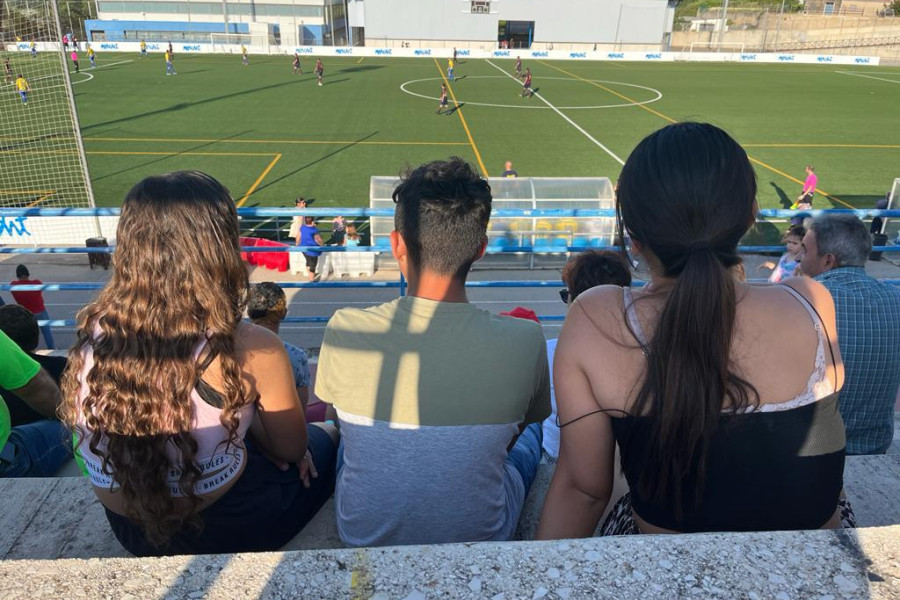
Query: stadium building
x=469 y=24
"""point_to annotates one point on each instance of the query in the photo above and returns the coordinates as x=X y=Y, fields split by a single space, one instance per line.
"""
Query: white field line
x=867 y=76
x=570 y=121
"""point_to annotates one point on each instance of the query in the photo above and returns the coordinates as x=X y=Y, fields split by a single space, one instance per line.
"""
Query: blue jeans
x=525 y=455
x=45 y=329
x=40 y=448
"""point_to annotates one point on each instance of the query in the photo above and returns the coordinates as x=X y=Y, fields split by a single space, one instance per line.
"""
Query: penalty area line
x=563 y=115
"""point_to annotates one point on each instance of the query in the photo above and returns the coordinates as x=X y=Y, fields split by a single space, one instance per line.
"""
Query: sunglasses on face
x=564 y=295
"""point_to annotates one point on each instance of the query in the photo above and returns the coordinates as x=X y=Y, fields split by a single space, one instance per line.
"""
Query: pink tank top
x=220 y=461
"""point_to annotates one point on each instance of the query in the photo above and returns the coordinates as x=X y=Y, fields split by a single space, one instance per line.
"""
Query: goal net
x=230 y=43
x=43 y=162
x=724 y=51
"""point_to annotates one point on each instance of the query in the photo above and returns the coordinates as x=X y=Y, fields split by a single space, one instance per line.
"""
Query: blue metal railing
x=387 y=212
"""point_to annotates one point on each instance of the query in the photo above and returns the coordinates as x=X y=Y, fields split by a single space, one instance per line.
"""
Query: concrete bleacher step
x=56 y=518
x=818 y=565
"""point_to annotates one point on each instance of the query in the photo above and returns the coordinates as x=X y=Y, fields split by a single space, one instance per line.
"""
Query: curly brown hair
x=177 y=277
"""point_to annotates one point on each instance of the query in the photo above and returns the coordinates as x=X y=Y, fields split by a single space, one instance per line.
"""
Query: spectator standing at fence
x=187 y=418
x=309 y=236
x=267 y=307
x=835 y=251
x=441 y=425
x=21 y=327
x=717 y=432
x=33 y=301
x=805 y=199
x=352 y=235
x=338 y=231
x=581 y=273
x=35 y=449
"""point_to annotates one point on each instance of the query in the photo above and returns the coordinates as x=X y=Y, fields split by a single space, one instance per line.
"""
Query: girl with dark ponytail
x=715 y=431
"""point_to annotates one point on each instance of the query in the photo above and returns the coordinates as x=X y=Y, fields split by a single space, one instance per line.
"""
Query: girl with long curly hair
x=186 y=417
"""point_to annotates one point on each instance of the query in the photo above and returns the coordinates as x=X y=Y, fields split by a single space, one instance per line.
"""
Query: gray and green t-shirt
x=430 y=395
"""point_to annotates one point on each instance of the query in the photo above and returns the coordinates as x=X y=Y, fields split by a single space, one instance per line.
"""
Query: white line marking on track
x=570 y=121
x=867 y=76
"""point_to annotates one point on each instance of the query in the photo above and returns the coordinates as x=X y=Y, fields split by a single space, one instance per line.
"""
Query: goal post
x=727 y=51
x=44 y=163
x=230 y=43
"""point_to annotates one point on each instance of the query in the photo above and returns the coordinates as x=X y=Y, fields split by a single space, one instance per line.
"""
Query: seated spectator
x=21 y=326
x=33 y=301
x=836 y=248
x=440 y=429
x=582 y=272
x=36 y=449
x=186 y=417
x=717 y=432
x=267 y=307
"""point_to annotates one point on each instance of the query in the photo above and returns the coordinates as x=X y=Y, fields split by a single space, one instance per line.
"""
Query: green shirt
x=17 y=369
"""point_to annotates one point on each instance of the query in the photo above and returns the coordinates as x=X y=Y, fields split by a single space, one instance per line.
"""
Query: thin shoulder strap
x=816 y=316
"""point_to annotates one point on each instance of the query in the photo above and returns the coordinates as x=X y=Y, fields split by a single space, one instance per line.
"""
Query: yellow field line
x=259 y=180
x=39 y=200
x=671 y=120
x=311 y=142
x=462 y=119
x=873 y=146
x=29 y=192
x=149 y=153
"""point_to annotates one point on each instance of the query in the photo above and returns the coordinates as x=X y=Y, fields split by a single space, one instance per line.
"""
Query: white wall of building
x=556 y=21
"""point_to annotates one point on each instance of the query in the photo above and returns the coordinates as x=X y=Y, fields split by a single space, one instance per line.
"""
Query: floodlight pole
x=778 y=26
x=722 y=28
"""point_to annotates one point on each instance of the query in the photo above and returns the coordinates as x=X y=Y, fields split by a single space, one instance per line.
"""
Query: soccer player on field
x=526 y=85
x=320 y=70
x=33 y=47
x=518 y=66
x=143 y=49
x=91 y=57
x=23 y=88
x=442 y=103
x=296 y=66
x=170 y=68
x=450 y=69
x=244 y=59
x=7 y=69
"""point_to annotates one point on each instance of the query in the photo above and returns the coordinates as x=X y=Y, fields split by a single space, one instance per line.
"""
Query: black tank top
x=777 y=470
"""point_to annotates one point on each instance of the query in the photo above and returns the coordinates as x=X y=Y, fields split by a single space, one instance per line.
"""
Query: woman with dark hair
x=186 y=417
x=716 y=431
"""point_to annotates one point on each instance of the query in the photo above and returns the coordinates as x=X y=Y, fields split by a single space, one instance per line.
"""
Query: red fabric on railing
x=270 y=260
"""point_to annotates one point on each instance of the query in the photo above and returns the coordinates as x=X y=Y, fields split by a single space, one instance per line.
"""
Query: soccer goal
x=891 y=227
x=231 y=43
x=43 y=160
x=726 y=51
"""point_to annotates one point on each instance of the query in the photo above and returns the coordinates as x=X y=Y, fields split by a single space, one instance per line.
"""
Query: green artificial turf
x=233 y=122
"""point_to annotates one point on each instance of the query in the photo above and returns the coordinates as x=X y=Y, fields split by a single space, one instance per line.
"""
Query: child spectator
x=352 y=235
x=790 y=260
